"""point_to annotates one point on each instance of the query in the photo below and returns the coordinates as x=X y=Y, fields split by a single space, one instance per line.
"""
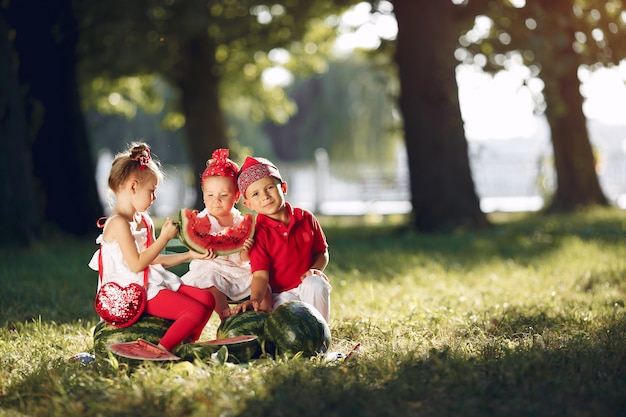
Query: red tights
x=189 y=307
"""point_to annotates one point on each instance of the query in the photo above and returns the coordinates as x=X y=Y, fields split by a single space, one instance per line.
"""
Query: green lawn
x=524 y=319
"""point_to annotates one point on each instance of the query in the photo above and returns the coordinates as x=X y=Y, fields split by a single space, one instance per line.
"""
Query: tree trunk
x=577 y=181
x=442 y=189
x=199 y=84
x=20 y=217
x=46 y=37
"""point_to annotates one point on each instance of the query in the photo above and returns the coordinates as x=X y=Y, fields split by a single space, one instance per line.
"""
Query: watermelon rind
x=183 y=225
x=150 y=328
x=218 y=249
x=240 y=349
x=247 y=323
x=296 y=327
x=243 y=323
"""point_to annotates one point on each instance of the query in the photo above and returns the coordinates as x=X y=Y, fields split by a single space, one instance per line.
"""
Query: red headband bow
x=219 y=165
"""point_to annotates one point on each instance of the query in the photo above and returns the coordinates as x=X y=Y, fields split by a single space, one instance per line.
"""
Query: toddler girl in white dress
x=226 y=277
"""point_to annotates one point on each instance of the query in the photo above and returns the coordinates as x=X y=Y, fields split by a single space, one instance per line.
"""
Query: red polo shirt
x=286 y=251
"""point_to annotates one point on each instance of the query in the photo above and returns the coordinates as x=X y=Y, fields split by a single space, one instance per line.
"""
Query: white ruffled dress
x=115 y=268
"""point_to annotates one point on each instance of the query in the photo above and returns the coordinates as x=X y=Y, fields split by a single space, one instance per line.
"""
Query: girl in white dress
x=125 y=254
x=226 y=277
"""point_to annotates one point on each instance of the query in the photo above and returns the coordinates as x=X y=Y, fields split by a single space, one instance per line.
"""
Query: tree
x=45 y=41
x=556 y=38
x=442 y=190
x=207 y=50
x=20 y=215
x=347 y=111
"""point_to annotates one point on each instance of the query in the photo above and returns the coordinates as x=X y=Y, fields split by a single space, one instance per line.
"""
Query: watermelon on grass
x=247 y=323
x=195 y=233
x=150 y=328
x=296 y=326
x=240 y=349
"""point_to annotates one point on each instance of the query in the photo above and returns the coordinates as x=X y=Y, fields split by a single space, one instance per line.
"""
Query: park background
x=458 y=310
x=509 y=150
x=462 y=109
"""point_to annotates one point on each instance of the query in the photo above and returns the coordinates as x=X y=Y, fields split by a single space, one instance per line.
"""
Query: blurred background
x=445 y=112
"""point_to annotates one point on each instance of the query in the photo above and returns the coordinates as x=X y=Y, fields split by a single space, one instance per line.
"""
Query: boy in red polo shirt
x=290 y=250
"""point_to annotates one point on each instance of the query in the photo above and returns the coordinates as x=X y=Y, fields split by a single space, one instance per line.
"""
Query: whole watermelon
x=247 y=323
x=148 y=327
x=296 y=326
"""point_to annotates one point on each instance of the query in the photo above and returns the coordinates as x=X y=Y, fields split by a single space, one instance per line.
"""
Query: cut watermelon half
x=143 y=350
x=195 y=232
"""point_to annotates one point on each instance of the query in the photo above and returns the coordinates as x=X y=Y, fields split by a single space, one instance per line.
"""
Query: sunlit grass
x=526 y=318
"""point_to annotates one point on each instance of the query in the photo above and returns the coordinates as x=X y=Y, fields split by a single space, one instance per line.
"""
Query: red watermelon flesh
x=195 y=233
x=149 y=328
x=142 y=350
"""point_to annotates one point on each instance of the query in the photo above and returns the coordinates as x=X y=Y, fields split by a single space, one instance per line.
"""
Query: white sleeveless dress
x=115 y=268
x=229 y=274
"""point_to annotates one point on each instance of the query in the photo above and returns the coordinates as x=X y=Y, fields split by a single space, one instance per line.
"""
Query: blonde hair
x=136 y=161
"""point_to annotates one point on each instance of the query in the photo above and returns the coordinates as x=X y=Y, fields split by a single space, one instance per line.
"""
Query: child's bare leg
x=221 y=303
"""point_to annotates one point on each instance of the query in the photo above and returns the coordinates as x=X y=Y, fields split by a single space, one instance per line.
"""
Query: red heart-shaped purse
x=120 y=306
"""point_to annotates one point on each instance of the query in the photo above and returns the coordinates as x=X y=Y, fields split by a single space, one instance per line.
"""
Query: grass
x=526 y=318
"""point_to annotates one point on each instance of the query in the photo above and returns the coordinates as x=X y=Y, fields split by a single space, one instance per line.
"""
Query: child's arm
x=118 y=230
x=244 y=255
x=172 y=259
x=320 y=261
x=258 y=289
x=317 y=266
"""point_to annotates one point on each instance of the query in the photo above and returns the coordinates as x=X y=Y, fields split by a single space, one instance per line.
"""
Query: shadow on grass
x=560 y=373
x=585 y=376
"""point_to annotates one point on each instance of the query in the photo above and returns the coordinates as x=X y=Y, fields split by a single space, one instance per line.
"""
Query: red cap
x=254 y=169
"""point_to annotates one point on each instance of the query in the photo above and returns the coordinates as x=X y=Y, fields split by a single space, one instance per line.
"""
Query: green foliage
x=123 y=96
x=526 y=318
x=348 y=111
x=592 y=29
x=122 y=39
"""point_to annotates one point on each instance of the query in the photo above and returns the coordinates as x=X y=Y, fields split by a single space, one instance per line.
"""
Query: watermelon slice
x=195 y=233
x=148 y=328
x=143 y=350
x=240 y=349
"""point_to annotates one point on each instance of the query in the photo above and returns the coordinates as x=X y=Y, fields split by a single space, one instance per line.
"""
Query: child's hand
x=209 y=254
x=169 y=229
x=248 y=243
x=245 y=306
x=313 y=271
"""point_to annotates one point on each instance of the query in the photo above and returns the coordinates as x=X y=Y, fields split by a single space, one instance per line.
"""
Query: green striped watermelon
x=247 y=323
x=240 y=349
x=195 y=233
x=148 y=327
x=296 y=326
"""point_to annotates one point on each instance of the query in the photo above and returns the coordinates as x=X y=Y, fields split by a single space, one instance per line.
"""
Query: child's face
x=144 y=193
x=220 y=195
x=265 y=196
